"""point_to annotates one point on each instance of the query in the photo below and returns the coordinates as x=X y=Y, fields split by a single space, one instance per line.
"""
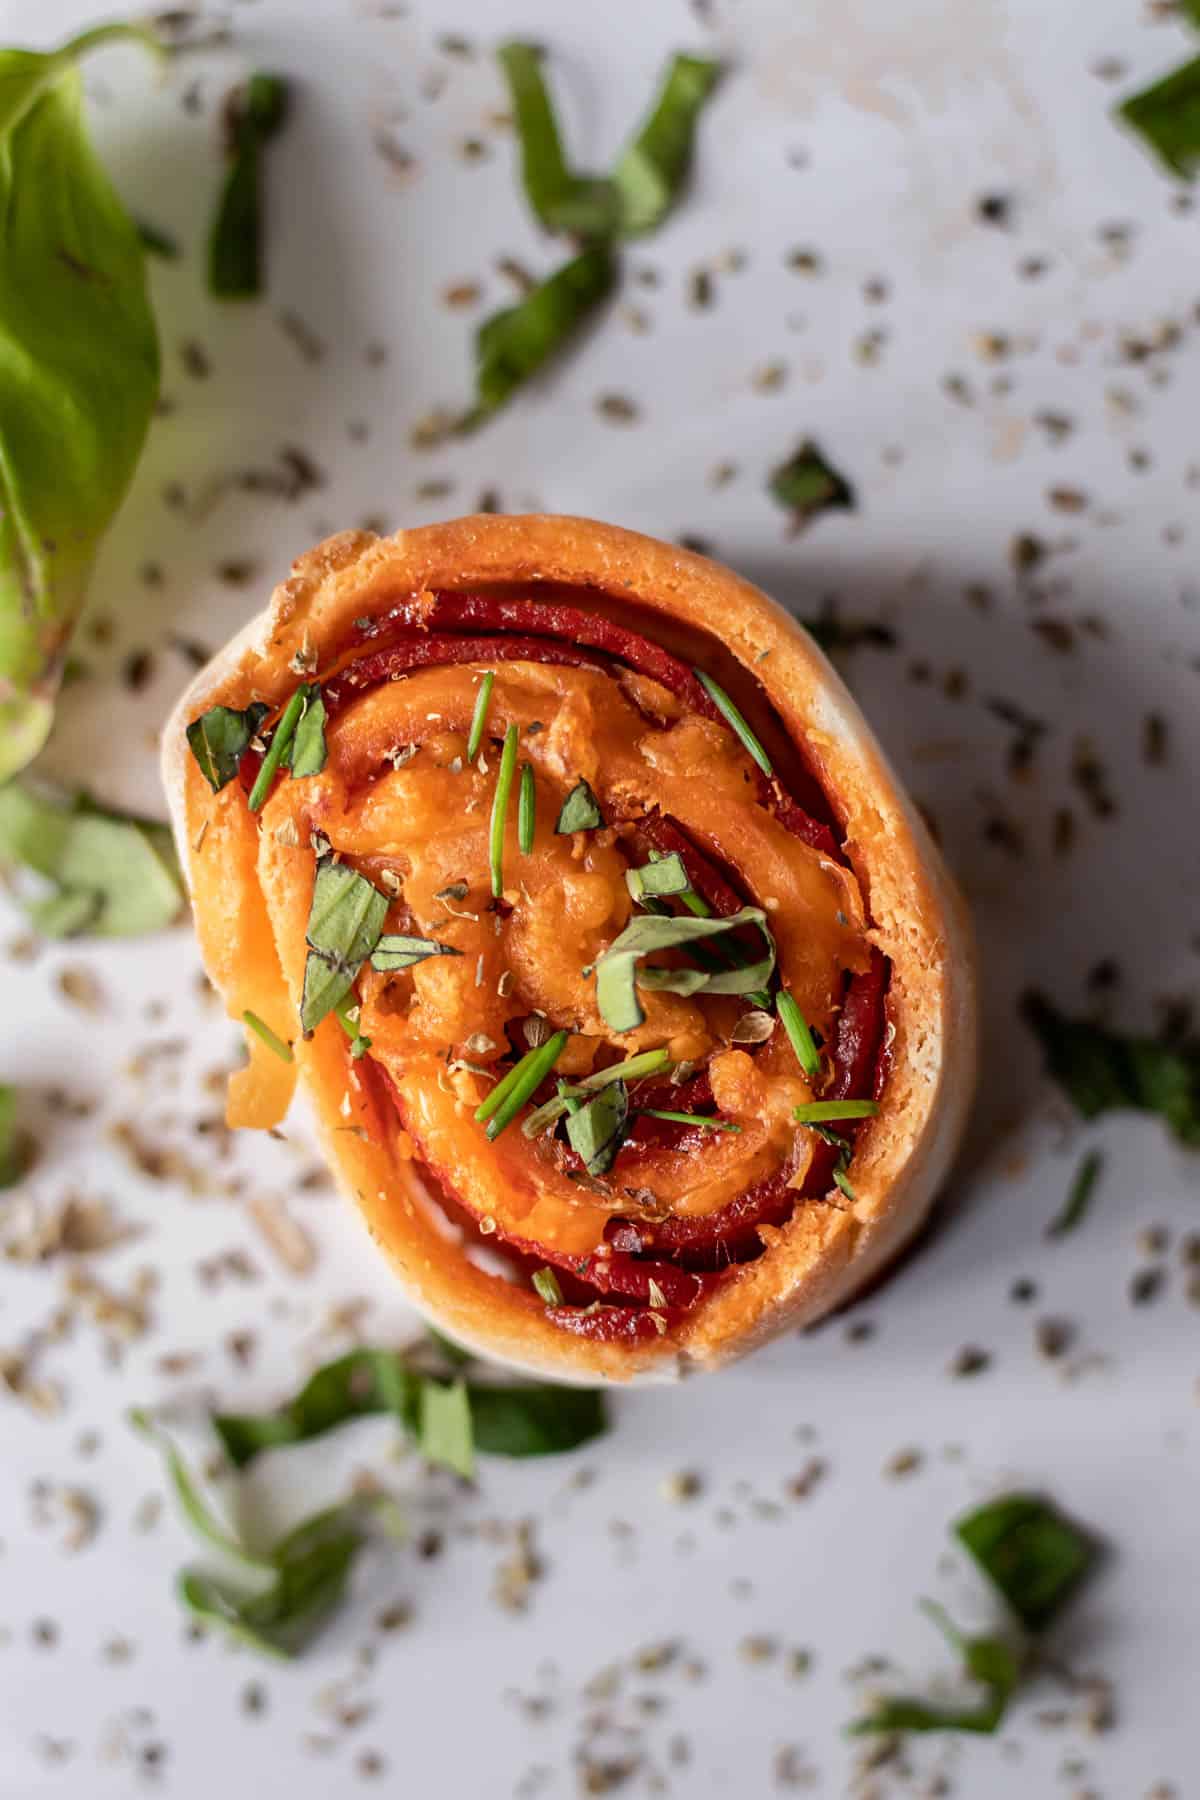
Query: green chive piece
x=509 y=1096
x=483 y=700
x=504 y=782
x=1080 y=1196
x=545 y=1284
x=359 y=1045
x=734 y=719
x=526 y=810
x=817 y=1111
x=646 y=1062
x=281 y=738
x=260 y=1027
x=843 y=1181
x=687 y=1118
x=799 y=1034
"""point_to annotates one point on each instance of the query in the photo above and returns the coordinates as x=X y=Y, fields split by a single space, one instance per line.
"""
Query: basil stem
x=483 y=700
x=281 y=737
x=504 y=782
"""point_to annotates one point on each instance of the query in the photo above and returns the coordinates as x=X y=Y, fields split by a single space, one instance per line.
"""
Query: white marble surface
x=904 y=116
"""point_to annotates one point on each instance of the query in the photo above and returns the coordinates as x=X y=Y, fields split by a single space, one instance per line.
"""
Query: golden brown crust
x=824 y=1254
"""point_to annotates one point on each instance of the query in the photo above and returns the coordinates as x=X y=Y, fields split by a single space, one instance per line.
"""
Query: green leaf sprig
x=1104 y=1071
x=647 y=182
x=235 y=253
x=620 y=970
x=79 y=369
x=111 y=874
x=1035 y=1558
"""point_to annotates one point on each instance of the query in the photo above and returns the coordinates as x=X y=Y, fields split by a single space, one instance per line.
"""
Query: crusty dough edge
x=826 y=1253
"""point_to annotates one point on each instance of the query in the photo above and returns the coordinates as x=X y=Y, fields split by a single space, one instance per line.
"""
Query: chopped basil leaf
x=113 y=875
x=394 y=952
x=14 y=1157
x=646 y=1062
x=541 y=1420
x=664 y=876
x=1101 y=1071
x=1030 y=1552
x=545 y=1286
x=512 y=1420
x=219 y=739
x=580 y=811
x=311 y=1568
x=733 y=718
x=444 y=1430
x=598 y=1129
x=987 y=1660
x=308 y=752
x=483 y=700
x=343 y=929
x=270 y=1038
x=235 y=245
x=514 y=343
x=806 y=484
x=192 y=1504
x=584 y=205
x=617 y=970
x=1080 y=1196
x=1167 y=115
x=651 y=173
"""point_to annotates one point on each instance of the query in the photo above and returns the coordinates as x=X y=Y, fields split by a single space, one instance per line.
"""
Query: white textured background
x=899 y=117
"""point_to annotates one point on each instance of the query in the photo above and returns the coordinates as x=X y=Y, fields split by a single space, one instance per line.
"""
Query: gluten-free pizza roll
x=633 y=1000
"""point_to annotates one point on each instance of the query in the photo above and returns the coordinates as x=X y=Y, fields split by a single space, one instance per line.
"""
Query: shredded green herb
x=1103 y=1071
x=545 y=1286
x=1079 y=1198
x=483 y=700
x=659 y=878
x=634 y=1068
x=734 y=719
x=507 y=1420
x=395 y=951
x=806 y=484
x=1167 y=116
x=219 y=739
x=580 y=811
x=14 y=1148
x=110 y=874
x=583 y=205
x=597 y=1129
x=281 y=739
x=1030 y=1552
x=819 y=1112
x=652 y=173
x=271 y=1039
x=526 y=810
x=344 y=926
x=799 y=1034
x=515 y=343
x=235 y=252
x=510 y=1094
x=989 y=1661
x=500 y=800
x=618 y=973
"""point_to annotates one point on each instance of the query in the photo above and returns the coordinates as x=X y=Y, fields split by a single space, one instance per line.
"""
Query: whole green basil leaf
x=78 y=372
